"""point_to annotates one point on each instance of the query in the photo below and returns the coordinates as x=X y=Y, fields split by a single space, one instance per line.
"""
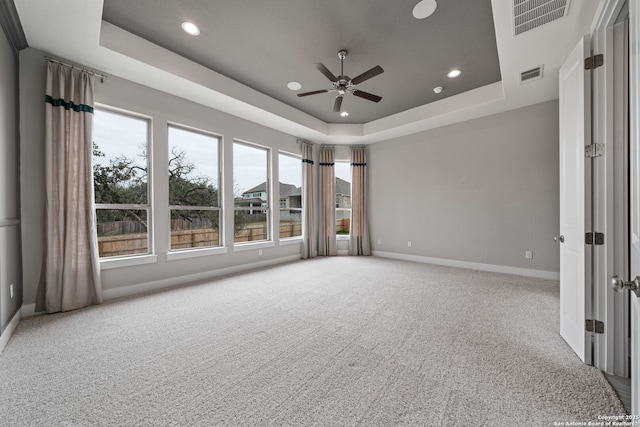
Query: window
x=194 y=167
x=121 y=182
x=343 y=197
x=290 y=176
x=251 y=193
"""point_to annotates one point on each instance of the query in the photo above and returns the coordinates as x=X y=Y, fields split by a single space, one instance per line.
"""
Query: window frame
x=204 y=250
x=297 y=157
x=266 y=206
x=337 y=209
x=142 y=257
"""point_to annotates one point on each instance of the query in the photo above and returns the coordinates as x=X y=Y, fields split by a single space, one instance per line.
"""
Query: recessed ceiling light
x=190 y=28
x=424 y=9
x=294 y=85
x=454 y=73
x=438 y=89
x=344 y=114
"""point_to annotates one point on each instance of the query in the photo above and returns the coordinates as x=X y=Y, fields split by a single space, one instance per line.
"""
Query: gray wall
x=160 y=107
x=482 y=191
x=9 y=186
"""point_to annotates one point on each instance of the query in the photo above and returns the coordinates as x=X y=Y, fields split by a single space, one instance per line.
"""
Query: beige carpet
x=325 y=342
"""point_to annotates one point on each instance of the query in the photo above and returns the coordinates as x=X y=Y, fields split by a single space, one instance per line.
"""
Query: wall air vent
x=532 y=74
x=530 y=14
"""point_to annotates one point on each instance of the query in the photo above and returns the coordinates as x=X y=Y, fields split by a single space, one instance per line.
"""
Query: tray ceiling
x=265 y=45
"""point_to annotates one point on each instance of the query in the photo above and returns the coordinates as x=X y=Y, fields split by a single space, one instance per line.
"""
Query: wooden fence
x=136 y=243
x=127 y=244
x=343 y=226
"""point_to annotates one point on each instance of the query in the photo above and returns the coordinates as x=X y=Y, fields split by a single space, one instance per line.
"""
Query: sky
x=123 y=135
x=343 y=170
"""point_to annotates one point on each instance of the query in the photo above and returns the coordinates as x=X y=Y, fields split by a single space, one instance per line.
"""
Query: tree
x=187 y=189
x=122 y=181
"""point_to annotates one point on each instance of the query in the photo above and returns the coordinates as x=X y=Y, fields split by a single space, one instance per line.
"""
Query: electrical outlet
x=528 y=254
x=379 y=241
x=11 y=290
x=409 y=244
x=259 y=252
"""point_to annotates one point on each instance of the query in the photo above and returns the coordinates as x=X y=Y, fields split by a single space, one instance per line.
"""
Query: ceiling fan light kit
x=344 y=84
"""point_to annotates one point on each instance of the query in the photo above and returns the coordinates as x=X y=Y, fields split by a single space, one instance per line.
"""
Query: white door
x=575 y=132
x=634 y=194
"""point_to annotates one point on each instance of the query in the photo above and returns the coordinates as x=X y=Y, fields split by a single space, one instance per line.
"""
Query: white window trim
x=268 y=208
x=127 y=261
x=284 y=241
x=290 y=240
x=344 y=236
x=200 y=251
x=134 y=259
x=248 y=246
x=195 y=252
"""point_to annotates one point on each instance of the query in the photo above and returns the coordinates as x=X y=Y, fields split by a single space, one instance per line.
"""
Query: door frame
x=604 y=208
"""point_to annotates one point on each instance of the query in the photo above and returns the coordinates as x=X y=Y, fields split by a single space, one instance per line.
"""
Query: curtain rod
x=102 y=76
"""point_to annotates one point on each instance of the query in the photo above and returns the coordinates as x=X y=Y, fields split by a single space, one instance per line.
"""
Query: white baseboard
x=6 y=335
x=540 y=274
x=29 y=310
x=125 y=291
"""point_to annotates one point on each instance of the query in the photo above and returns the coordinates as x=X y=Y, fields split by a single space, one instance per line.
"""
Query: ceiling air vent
x=532 y=74
x=530 y=14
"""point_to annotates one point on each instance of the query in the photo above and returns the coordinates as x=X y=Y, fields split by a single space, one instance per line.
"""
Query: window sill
x=193 y=253
x=342 y=237
x=118 y=262
x=290 y=241
x=239 y=247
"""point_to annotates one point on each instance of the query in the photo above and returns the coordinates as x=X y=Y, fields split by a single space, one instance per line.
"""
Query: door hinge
x=595 y=326
x=594 y=238
x=594 y=150
x=594 y=61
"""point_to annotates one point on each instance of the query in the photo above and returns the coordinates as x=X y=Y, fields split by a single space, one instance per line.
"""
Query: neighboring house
x=290 y=196
x=343 y=193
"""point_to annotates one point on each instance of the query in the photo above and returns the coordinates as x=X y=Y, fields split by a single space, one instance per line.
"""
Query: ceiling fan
x=343 y=84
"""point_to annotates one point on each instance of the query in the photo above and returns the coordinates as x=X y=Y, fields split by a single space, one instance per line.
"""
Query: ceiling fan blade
x=367 y=95
x=314 y=92
x=324 y=70
x=338 y=104
x=367 y=75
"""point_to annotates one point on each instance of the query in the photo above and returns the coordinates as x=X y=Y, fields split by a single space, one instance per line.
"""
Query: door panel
x=575 y=128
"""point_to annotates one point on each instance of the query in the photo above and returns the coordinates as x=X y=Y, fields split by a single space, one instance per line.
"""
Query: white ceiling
x=79 y=35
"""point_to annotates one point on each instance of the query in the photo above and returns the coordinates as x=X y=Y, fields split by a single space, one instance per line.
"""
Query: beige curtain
x=71 y=277
x=359 y=243
x=308 y=224
x=327 y=245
